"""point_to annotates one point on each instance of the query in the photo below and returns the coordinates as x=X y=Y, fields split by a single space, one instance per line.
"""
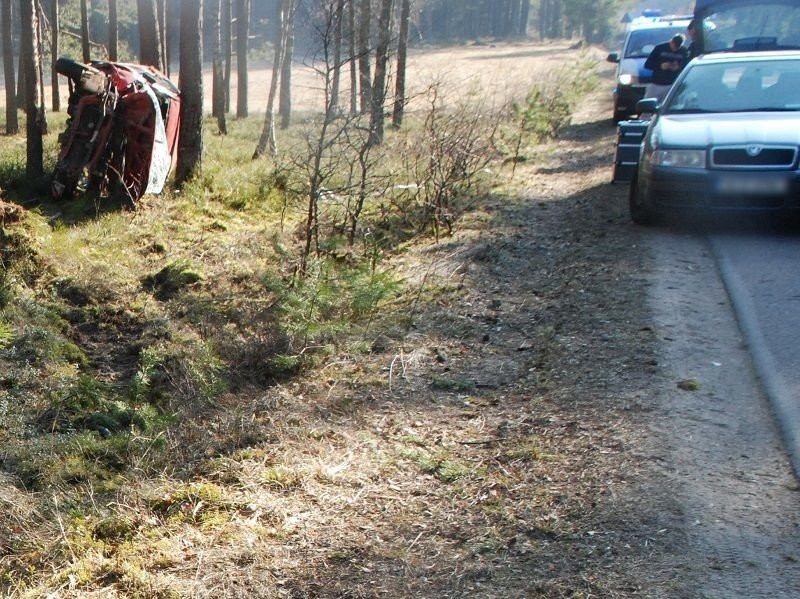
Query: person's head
x=676 y=41
x=691 y=30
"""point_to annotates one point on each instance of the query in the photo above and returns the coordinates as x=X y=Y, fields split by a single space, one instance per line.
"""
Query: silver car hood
x=705 y=130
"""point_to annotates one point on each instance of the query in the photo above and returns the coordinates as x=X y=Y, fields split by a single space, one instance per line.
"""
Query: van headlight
x=679 y=158
x=625 y=79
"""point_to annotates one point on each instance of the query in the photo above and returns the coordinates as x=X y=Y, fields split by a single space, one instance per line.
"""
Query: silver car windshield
x=760 y=85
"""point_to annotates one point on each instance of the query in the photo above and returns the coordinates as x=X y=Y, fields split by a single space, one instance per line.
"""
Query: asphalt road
x=718 y=443
x=760 y=269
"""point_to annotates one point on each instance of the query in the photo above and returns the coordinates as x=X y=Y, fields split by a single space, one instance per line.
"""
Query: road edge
x=785 y=411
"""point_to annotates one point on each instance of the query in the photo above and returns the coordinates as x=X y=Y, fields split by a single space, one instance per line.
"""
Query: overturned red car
x=121 y=137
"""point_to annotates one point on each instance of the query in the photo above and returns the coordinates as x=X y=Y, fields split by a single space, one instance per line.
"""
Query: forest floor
x=535 y=431
x=524 y=430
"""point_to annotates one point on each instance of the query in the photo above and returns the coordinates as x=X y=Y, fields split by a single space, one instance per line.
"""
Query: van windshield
x=642 y=41
x=761 y=26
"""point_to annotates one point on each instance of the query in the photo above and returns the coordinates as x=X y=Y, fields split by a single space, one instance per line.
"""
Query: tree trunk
x=190 y=144
x=86 y=49
x=54 y=51
x=524 y=15
x=12 y=122
x=21 y=87
x=285 y=101
x=515 y=11
x=227 y=50
x=352 y=57
x=34 y=109
x=113 y=31
x=338 y=18
x=39 y=40
x=267 y=142
x=365 y=78
x=426 y=23
x=218 y=71
x=544 y=6
x=377 y=116
x=494 y=18
x=161 y=18
x=555 y=23
x=149 y=40
x=402 y=58
x=242 y=34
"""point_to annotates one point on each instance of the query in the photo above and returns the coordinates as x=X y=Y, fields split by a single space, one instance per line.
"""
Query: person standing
x=666 y=61
x=691 y=33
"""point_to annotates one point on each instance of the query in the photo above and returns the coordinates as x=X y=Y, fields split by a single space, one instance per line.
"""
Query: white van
x=643 y=34
x=747 y=25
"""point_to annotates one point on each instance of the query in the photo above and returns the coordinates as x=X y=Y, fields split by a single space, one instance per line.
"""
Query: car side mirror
x=613 y=57
x=647 y=106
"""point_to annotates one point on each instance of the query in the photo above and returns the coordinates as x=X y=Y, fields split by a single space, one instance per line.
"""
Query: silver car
x=725 y=138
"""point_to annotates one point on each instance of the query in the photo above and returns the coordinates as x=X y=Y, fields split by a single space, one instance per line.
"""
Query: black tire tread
x=70 y=68
x=640 y=214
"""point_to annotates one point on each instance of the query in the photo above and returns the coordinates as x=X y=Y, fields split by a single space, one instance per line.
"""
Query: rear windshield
x=642 y=41
x=767 y=26
x=752 y=86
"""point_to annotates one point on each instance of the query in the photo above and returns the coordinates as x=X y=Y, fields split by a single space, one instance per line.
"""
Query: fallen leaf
x=689 y=385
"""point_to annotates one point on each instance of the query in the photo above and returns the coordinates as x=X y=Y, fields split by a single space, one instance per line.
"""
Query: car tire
x=70 y=68
x=641 y=213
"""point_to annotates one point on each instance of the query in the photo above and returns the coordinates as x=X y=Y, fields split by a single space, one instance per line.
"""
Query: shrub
x=547 y=108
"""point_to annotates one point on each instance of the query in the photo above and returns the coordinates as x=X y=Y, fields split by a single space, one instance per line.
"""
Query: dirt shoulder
x=510 y=452
x=555 y=329
x=571 y=413
x=522 y=432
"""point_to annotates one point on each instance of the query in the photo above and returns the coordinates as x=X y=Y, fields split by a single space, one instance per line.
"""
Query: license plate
x=753 y=184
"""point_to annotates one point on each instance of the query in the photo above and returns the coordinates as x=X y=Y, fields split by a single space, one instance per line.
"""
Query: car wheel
x=70 y=68
x=641 y=213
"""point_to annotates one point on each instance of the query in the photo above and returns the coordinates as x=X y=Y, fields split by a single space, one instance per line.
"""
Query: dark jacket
x=663 y=53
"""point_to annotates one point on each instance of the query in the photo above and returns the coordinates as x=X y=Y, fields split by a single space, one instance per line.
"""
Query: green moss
x=6 y=334
x=441 y=464
x=114 y=528
x=174 y=277
x=280 y=477
x=46 y=345
x=461 y=385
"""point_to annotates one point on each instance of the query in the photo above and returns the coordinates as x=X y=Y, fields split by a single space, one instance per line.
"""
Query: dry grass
x=478 y=446
x=496 y=72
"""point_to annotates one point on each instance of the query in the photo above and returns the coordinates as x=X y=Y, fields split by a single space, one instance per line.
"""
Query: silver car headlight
x=626 y=79
x=679 y=158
